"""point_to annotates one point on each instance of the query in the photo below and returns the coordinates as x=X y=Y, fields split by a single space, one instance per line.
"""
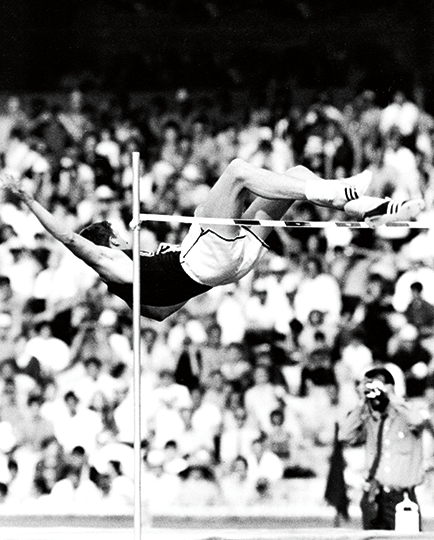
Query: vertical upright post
x=136 y=349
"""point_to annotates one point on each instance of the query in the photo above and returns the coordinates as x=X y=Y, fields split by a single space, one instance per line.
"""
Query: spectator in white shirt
x=76 y=425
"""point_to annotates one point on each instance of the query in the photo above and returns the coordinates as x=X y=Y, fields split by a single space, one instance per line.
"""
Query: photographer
x=392 y=434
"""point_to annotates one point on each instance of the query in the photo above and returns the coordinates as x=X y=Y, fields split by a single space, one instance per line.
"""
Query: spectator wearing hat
x=391 y=431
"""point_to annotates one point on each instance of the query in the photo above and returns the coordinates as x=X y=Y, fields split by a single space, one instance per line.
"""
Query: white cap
x=104 y=192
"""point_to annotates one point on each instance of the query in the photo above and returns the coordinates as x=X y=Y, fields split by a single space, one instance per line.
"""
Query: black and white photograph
x=216 y=269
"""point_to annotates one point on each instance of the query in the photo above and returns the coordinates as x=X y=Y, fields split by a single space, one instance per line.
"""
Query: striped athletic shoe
x=356 y=186
x=392 y=211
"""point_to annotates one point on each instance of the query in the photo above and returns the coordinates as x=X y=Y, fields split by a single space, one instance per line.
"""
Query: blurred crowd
x=242 y=389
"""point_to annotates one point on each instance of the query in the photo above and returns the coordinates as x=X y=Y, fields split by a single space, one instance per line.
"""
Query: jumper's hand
x=12 y=181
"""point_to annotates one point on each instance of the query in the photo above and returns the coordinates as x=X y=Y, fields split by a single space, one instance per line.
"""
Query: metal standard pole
x=136 y=349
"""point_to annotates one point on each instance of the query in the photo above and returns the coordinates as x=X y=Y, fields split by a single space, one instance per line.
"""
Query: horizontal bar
x=271 y=223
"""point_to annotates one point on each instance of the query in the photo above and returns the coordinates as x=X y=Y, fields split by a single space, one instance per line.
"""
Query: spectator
x=74 y=119
x=73 y=494
x=316 y=322
x=211 y=354
x=44 y=355
x=199 y=487
x=391 y=470
x=417 y=270
x=13 y=116
x=231 y=315
x=237 y=438
x=94 y=382
x=8 y=345
x=35 y=428
x=265 y=468
x=412 y=358
x=168 y=399
x=49 y=468
x=354 y=361
x=236 y=368
x=238 y=490
x=262 y=398
x=420 y=314
x=403 y=160
x=76 y=425
x=217 y=389
x=162 y=487
x=317 y=290
x=401 y=114
x=372 y=318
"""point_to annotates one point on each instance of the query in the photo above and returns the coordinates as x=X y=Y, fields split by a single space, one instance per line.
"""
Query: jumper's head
x=103 y=234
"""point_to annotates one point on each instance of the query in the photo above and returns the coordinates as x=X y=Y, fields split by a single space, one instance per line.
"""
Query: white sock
x=331 y=193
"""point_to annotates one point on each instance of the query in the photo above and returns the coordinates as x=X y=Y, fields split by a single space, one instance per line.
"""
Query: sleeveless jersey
x=163 y=282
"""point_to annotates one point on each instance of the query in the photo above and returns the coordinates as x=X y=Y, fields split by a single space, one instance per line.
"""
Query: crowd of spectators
x=243 y=387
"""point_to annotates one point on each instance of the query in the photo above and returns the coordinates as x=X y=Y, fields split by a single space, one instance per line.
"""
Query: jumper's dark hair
x=99 y=233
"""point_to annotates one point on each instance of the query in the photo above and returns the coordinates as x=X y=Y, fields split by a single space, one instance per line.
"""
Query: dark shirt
x=420 y=314
x=163 y=281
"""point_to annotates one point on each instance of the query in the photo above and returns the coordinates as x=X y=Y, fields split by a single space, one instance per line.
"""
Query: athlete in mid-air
x=212 y=255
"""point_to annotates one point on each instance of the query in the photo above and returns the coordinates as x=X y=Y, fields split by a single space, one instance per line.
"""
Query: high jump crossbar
x=142 y=218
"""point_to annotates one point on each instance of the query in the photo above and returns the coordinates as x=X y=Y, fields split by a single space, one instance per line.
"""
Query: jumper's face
x=117 y=242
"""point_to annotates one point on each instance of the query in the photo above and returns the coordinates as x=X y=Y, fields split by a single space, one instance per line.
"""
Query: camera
x=374 y=389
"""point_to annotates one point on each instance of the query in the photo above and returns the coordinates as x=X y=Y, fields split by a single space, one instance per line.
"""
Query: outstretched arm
x=110 y=264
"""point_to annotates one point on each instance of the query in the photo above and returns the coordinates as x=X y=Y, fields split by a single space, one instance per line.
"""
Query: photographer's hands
x=376 y=394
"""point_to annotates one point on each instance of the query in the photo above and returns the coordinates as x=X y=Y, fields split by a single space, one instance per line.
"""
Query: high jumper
x=212 y=254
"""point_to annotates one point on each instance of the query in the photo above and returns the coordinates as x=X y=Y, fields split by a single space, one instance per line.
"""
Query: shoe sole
x=408 y=211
